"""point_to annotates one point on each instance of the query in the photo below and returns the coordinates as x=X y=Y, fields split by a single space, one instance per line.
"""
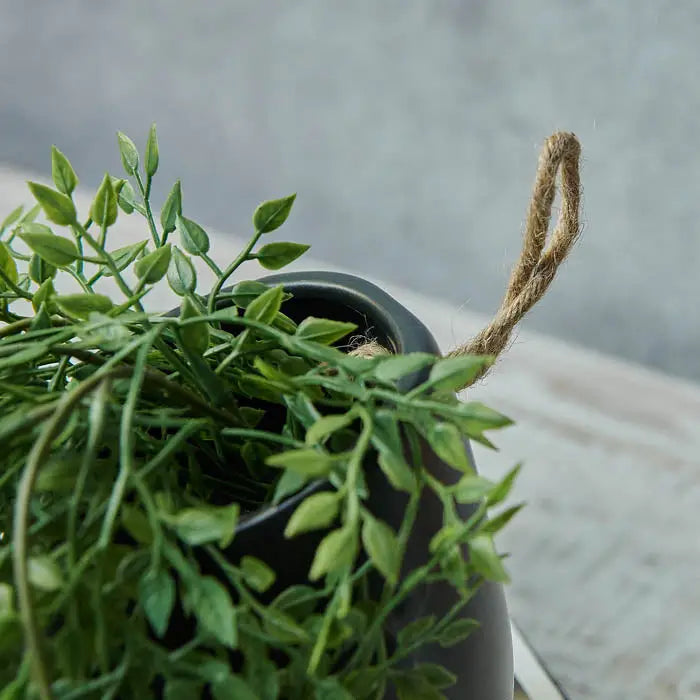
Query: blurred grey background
x=410 y=131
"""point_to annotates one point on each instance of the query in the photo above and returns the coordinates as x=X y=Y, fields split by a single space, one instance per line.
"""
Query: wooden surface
x=606 y=555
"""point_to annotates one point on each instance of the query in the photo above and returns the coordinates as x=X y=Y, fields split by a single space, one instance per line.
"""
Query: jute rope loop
x=538 y=264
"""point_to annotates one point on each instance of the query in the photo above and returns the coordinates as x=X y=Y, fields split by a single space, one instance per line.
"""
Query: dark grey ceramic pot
x=484 y=662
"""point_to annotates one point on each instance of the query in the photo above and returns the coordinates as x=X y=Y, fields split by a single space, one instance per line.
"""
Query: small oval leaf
x=104 y=207
x=272 y=214
x=58 y=207
x=315 y=512
x=157 y=598
x=193 y=237
x=153 y=267
x=274 y=256
x=128 y=152
x=53 y=249
x=82 y=305
x=182 y=277
x=150 y=160
x=64 y=176
x=324 y=331
x=172 y=208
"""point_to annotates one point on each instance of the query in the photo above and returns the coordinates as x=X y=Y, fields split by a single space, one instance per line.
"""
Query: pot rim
x=395 y=326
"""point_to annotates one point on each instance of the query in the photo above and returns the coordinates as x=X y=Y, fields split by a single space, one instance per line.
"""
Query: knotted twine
x=537 y=264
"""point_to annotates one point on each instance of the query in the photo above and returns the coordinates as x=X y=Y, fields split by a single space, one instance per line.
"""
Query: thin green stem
x=126 y=438
x=145 y=193
x=80 y=279
x=235 y=352
x=261 y=435
x=14 y=287
x=212 y=265
x=242 y=257
x=36 y=458
x=98 y=414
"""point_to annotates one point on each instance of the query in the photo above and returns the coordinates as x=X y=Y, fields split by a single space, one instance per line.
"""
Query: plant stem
x=212 y=265
x=14 y=287
x=145 y=193
x=242 y=257
x=126 y=439
x=37 y=457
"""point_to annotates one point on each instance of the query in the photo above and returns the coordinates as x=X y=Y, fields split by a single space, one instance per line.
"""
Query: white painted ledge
x=606 y=557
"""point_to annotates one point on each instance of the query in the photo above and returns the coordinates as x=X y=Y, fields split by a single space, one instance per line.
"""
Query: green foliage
x=136 y=444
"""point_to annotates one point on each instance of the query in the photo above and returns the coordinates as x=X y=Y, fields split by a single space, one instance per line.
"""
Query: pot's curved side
x=484 y=661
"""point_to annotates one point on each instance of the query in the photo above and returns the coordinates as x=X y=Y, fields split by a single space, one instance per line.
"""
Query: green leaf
x=266 y=306
x=104 y=207
x=41 y=320
x=274 y=256
x=11 y=218
x=484 y=558
x=129 y=153
x=393 y=368
x=195 y=336
x=82 y=305
x=364 y=681
x=272 y=214
x=471 y=488
x=36 y=351
x=214 y=609
x=233 y=688
x=397 y=471
x=51 y=248
x=336 y=550
x=39 y=269
x=331 y=689
x=201 y=525
x=305 y=461
x=504 y=487
x=44 y=573
x=498 y=522
x=326 y=425
x=58 y=207
x=321 y=330
x=413 y=686
x=157 y=598
x=290 y=482
x=415 y=631
x=448 y=444
x=245 y=292
x=387 y=440
x=150 y=159
x=453 y=373
x=457 y=631
x=257 y=573
x=177 y=689
x=193 y=237
x=474 y=417
x=44 y=295
x=172 y=208
x=152 y=267
x=8 y=266
x=283 y=627
x=64 y=176
x=436 y=675
x=126 y=197
x=315 y=512
x=382 y=546
x=182 y=277
x=123 y=257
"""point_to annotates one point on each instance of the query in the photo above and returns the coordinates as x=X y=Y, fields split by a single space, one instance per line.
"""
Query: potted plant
x=222 y=501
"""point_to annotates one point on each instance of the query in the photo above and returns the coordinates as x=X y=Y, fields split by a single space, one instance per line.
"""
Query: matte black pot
x=484 y=661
